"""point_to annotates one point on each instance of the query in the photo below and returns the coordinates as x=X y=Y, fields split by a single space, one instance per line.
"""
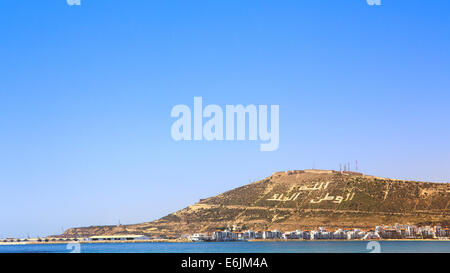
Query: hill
x=302 y=199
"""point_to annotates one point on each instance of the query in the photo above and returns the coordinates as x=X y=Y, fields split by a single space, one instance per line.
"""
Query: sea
x=238 y=247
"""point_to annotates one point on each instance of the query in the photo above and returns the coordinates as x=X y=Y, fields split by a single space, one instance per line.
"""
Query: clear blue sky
x=86 y=93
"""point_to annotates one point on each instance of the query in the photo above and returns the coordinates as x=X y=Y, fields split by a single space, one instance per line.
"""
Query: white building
x=302 y=234
x=355 y=234
x=249 y=234
x=225 y=235
x=267 y=234
x=339 y=234
x=372 y=236
x=199 y=237
x=274 y=234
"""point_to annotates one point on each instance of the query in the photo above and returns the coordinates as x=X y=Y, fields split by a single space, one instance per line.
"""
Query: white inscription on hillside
x=317 y=187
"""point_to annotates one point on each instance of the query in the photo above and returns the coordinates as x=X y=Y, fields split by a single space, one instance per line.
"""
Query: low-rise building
x=200 y=237
x=249 y=235
x=371 y=236
x=339 y=235
x=225 y=235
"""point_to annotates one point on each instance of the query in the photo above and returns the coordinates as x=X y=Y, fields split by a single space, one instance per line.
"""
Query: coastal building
x=426 y=232
x=267 y=234
x=302 y=234
x=339 y=235
x=411 y=230
x=290 y=235
x=355 y=234
x=379 y=232
x=277 y=234
x=390 y=233
x=225 y=235
x=447 y=232
x=322 y=233
x=371 y=236
x=274 y=234
x=200 y=237
x=249 y=235
x=379 y=229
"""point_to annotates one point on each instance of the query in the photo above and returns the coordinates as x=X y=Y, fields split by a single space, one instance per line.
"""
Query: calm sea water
x=238 y=247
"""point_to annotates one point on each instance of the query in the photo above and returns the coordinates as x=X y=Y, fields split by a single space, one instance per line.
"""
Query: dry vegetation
x=375 y=201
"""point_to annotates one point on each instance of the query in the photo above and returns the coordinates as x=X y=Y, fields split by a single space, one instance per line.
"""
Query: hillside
x=301 y=199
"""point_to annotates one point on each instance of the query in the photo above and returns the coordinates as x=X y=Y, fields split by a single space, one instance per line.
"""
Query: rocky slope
x=301 y=200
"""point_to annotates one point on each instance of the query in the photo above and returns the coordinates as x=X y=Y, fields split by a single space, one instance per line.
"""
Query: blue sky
x=86 y=93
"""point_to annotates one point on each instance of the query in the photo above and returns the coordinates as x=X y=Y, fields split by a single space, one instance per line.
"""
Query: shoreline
x=186 y=241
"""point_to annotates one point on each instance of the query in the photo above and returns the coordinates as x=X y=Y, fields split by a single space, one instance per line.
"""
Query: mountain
x=303 y=199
